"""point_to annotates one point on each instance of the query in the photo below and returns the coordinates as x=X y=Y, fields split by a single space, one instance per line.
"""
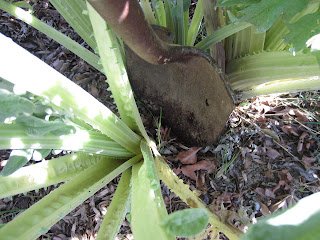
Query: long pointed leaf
x=247 y=72
x=42 y=215
x=195 y=24
x=221 y=34
x=145 y=4
x=148 y=209
x=169 y=18
x=117 y=209
x=159 y=11
x=46 y=173
x=13 y=136
x=73 y=11
x=73 y=46
x=116 y=72
x=38 y=78
x=180 y=23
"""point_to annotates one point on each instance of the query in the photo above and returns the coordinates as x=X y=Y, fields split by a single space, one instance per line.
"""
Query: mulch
x=267 y=159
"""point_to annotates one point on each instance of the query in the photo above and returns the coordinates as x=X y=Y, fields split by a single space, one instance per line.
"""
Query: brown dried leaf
x=189 y=170
x=271 y=153
x=301 y=116
x=264 y=209
x=188 y=157
x=301 y=141
x=269 y=174
x=260 y=191
x=258 y=161
x=247 y=163
x=94 y=91
x=200 y=183
x=265 y=192
x=280 y=183
x=308 y=161
x=269 y=193
x=288 y=129
x=176 y=170
x=281 y=204
x=224 y=198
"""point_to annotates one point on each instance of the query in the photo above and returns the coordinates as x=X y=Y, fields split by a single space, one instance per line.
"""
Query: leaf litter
x=267 y=160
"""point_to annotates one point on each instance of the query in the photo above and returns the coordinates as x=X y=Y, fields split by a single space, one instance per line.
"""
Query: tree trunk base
x=192 y=94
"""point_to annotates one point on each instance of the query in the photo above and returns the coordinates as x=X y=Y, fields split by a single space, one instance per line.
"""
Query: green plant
x=298 y=222
x=47 y=111
x=262 y=57
x=43 y=110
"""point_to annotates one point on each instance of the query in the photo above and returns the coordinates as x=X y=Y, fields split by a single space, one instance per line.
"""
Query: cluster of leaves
x=264 y=13
x=66 y=117
x=33 y=117
x=32 y=114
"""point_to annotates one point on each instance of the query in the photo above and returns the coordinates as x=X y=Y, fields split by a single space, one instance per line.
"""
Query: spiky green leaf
x=117 y=209
x=148 y=209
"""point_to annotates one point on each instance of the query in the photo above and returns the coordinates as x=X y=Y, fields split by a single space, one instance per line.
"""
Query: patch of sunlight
x=9 y=120
x=24 y=15
x=103 y=210
x=37 y=174
x=152 y=194
x=56 y=100
x=98 y=152
x=298 y=214
x=16 y=143
x=75 y=141
x=19 y=90
x=32 y=73
x=314 y=42
x=35 y=146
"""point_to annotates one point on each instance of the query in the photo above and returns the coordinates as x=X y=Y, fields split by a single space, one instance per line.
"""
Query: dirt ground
x=268 y=158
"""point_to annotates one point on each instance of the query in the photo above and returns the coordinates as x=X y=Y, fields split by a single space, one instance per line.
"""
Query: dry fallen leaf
x=94 y=91
x=189 y=170
x=288 y=129
x=308 y=161
x=188 y=157
x=271 y=153
x=265 y=192
x=281 y=204
x=301 y=116
x=269 y=193
x=280 y=183
x=177 y=170
x=264 y=209
x=301 y=141
x=200 y=183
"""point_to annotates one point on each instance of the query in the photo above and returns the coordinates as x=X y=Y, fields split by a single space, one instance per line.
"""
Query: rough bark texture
x=192 y=94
